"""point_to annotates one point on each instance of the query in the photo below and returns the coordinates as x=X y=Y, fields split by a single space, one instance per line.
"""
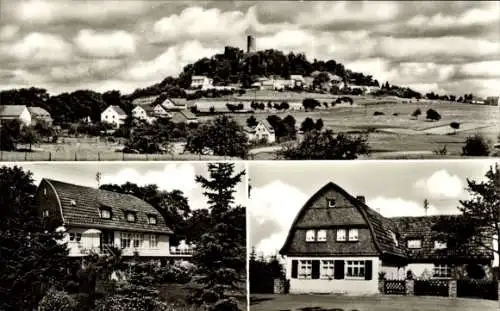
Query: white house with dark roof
x=94 y=220
x=184 y=116
x=15 y=112
x=337 y=244
x=262 y=131
x=201 y=82
x=144 y=112
x=114 y=115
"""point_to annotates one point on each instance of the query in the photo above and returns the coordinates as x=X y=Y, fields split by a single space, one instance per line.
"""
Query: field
x=368 y=303
x=395 y=134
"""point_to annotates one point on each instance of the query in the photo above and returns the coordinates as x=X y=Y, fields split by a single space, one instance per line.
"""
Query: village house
x=145 y=112
x=263 y=131
x=298 y=80
x=16 y=112
x=94 y=220
x=184 y=116
x=478 y=101
x=201 y=81
x=174 y=104
x=40 y=115
x=114 y=115
x=337 y=244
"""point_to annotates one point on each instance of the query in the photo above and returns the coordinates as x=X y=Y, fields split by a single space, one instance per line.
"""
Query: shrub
x=455 y=125
x=416 y=113
x=441 y=151
x=212 y=109
x=378 y=113
x=476 y=145
x=433 y=115
x=56 y=300
x=395 y=114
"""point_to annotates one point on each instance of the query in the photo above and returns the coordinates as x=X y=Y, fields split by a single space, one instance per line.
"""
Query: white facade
x=111 y=116
x=201 y=81
x=141 y=114
x=82 y=241
x=261 y=132
x=25 y=117
x=354 y=285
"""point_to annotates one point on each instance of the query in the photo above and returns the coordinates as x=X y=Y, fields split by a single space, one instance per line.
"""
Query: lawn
x=366 y=303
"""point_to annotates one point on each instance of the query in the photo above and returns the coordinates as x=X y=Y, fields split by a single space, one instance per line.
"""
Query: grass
x=389 y=133
x=367 y=303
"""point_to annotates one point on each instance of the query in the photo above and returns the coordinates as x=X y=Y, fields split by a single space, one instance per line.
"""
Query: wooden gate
x=394 y=287
x=483 y=289
x=431 y=288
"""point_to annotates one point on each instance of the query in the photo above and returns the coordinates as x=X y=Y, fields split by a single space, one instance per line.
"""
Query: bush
x=416 y=113
x=395 y=114
x=378 y=113
x=476 y=145
x=173 y=274
x=455 y=125
x=56 y=300
x=433 y=115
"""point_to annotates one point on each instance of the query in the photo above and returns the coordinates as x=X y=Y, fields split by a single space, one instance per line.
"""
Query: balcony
x=181 y=251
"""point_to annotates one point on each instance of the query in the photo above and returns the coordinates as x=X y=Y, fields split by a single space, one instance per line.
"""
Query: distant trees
x=326 y=146
x=476 y=145
x=308 y=125
x=252 y=121
x=283 y=128
x=433 y=115
x=417 y=112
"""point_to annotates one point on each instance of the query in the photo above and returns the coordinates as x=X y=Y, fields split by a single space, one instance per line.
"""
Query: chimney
x=361 y=198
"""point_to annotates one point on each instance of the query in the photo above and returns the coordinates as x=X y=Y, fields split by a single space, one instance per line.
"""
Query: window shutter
x=368 y=270
x=338 y=269
x=315 y=269
x=295 y=269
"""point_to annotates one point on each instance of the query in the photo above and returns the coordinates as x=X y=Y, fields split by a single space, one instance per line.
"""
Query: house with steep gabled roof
x=15 y=112
x=337 y=244
x=263 y=131
x=144 y=112
x=114 y=115
x=184 y=116
x=94 y=220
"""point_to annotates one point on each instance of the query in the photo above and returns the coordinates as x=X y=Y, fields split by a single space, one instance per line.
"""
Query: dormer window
x=321 y=235
x=152 y=219
x=45 y=213
x=331 y=202
x=353 y=235
x=310 y=236
x=440 y=245
x=105 y=213
x=130 y=217
x=415 y=243
x=341 y=235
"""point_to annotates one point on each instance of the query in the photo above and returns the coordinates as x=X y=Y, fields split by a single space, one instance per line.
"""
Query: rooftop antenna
x=426 y=206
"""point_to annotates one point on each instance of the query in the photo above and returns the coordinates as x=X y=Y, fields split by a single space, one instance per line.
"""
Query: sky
x=441 y=46
x=394 y=188
x=167 y=176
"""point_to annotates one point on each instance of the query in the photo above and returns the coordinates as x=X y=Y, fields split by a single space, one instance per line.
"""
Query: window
x=125 y=240
x=152 y=220
x=310 y=236
x=45 y=213
x=45 y=191
x=355 y=269
x=130 y=217
x=353 y=234
x=78 y=237
x=105 y=213
x=137 y=239
x=341 y=235
x=394 y=238
x=326 y=269
x=321 y=235
x=442 y=271
x=414 y=243
x=153 y=241
x=439 y=245
x=305 y=269
x=71 y=236
x=331 y=203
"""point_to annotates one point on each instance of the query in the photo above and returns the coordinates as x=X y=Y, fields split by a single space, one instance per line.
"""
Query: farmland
x=394 y=131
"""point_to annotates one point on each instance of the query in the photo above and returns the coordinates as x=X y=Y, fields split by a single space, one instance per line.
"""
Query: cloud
x=268 y=232
x=108 y=44
x=8 y=32
x=173 y=176
x=168 y=63
x=441 y=184
x=394 y=207
x=39 y=47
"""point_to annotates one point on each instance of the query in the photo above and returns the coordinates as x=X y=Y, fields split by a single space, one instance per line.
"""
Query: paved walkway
x=367 y=303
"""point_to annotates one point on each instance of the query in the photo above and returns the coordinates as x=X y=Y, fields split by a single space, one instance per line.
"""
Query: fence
x=466 y=288
x=484 y=289
x=15 y=156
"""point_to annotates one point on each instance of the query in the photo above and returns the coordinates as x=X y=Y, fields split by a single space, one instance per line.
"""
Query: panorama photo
x=183 y=80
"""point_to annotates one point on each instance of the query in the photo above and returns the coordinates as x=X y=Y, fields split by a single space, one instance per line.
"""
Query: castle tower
x=251 y=46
